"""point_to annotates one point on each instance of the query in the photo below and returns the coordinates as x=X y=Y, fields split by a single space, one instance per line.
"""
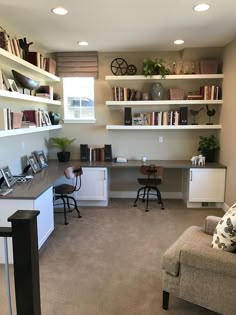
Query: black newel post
x=26 y=262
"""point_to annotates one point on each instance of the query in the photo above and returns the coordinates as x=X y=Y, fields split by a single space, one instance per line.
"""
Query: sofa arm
x=210 y=224
x=207 y=258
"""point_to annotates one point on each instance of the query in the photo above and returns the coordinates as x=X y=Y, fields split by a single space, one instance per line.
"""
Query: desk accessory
x=33 y=163
x=41 y=158
x=121 y=160
x=5 y=191
x=107 y=153
x=84 y=152
x=7 y=176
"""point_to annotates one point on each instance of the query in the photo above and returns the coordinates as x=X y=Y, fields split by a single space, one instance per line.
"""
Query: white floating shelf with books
x=12 y=61
x=21 y=131
x=163 y=102
x=167 y=127
x=25 y=97
x=167 y=77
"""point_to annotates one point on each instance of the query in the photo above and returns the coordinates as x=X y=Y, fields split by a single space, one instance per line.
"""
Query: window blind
x=77 y=64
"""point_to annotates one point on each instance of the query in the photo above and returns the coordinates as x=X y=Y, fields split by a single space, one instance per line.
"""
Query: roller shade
x=77 y=64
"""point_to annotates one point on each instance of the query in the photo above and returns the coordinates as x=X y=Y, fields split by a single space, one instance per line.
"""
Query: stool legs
x=144 y=192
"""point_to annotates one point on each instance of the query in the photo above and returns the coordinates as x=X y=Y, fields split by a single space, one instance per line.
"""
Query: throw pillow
x=224 y=237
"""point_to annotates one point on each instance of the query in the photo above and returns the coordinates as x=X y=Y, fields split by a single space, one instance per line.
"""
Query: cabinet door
x=94 y=184
x=206 y=185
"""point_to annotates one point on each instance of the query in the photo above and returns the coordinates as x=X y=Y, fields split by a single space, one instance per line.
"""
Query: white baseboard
x=133 y=194
x=219 y=205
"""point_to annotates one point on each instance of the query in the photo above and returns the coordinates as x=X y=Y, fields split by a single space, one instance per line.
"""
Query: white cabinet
x=200 y=79
x=45 y=220
x=94 y=188
x=205 y=185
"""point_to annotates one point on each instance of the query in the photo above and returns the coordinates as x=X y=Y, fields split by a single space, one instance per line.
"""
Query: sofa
x=196 y=272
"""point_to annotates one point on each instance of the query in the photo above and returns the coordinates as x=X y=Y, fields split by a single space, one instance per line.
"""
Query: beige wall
x=228 y=133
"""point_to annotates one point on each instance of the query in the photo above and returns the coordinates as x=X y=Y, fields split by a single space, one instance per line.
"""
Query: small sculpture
x=195 y=113
x=210 y=113
x=25 y=47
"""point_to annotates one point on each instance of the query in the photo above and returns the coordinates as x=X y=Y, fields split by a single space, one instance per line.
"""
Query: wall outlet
x=161 y=139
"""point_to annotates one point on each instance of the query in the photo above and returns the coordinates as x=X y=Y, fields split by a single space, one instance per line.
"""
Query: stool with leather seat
x=150 y=184
x=65 y=191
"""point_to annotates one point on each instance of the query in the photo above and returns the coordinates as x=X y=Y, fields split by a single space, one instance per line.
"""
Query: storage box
x=176 y=94
x=209 y=66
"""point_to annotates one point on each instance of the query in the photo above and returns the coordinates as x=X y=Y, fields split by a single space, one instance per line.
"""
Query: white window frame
x=77 y=94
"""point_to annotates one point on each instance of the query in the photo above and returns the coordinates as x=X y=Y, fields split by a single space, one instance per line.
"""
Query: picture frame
x=7 y=175
x=13 y=85
x=1 y=81
x=41 y=158
x=47 y=118
x=33 y=163
x=6 y=82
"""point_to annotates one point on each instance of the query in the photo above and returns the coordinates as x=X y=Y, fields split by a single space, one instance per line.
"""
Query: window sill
x=79 y=121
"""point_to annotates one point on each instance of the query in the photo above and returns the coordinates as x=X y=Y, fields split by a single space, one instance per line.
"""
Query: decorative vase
x=209 y=155
x=63 y=156
x=156 y=91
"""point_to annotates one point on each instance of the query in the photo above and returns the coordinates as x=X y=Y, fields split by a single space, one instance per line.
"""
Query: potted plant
x=155 y=66
x=62 y=143
x=208 y=147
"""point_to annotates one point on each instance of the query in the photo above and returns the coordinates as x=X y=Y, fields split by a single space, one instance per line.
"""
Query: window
x=78 y=99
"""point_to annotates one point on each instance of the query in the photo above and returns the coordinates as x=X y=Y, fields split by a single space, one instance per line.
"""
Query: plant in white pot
x=62 y=143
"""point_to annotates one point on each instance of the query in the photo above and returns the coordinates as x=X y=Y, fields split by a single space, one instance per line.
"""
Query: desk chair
x=149 y=184
x=64 y=191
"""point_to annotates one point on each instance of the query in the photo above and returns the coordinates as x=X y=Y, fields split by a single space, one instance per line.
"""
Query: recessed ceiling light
x=178 y=42
x=60 y=11
x=83 y=43
x=201 y=7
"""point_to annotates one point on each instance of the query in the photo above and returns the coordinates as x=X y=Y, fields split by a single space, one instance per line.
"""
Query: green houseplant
x=63 y=144
x=208 y=146
x=155 y=66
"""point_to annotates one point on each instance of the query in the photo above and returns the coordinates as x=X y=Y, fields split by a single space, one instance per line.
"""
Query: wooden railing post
x=26 y=262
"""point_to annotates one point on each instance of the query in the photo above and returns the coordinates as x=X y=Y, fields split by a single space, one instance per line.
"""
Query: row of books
x=96 y=154
x=123 y=94
x=211 y=92
x=25 y=119
x=165 y=118
x=12 y=45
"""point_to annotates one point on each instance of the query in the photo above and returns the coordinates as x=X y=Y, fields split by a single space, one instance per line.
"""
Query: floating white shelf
x=16 y=132
x=179 y=127
x=13 y=61
x=163 y=102
x=167 y=77
x=25 y=97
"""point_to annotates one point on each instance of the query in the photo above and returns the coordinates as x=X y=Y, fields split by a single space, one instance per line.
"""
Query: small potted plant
x=62 y=143
x=208 y=147
x=154 y=67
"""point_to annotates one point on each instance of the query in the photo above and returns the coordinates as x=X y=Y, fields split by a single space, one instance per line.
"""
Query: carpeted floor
x=108 y=262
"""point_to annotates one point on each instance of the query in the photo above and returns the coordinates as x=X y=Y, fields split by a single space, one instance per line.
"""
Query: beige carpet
x=108 y=262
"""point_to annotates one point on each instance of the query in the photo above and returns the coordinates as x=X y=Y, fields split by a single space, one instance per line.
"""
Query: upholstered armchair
x=198 y=273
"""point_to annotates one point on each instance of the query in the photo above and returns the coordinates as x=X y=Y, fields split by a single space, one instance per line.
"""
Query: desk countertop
x=45 y=179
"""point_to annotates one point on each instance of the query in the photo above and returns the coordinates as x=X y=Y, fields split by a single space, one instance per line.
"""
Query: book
x=16 y=119
x=50 y=65
x=34 y=58
x=3 y=119
x=45 y=89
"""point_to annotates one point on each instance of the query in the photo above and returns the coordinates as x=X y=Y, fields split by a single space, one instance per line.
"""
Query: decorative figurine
x=210 y=113
x=25 y=46
x=195 y=113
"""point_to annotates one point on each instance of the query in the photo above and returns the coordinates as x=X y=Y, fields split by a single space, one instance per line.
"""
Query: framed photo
x=13 y=85
x=9 y=179
x=41 y=158
x=33 y=163
x=1 y=81
x=6 y=82
x=47 y=118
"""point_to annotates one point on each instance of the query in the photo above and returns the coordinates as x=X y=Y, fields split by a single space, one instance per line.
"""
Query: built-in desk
x=37 y=194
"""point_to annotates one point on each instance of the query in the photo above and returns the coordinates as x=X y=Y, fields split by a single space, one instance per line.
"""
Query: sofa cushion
x=171 y=258
x=224 y=237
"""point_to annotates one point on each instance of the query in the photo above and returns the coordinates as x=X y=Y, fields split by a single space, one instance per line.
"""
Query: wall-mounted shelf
x=22 y=131
x=25 y=97
x=163 y=102
x=12 y=61
x=167 y=77
x=179 y=127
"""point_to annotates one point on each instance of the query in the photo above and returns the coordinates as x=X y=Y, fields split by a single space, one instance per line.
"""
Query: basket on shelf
x=176 y=94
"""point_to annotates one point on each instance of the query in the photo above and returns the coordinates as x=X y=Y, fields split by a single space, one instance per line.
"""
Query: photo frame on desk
x=7 y=175
x=41 y=158
x=33 y=163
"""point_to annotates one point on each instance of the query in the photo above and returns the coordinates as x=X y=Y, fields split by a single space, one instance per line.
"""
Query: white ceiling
x=124 y=25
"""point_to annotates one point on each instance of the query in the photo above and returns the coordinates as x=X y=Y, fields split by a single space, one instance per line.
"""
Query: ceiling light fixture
x=83 y=43
x=178 y=42
x=201 y=7
x=60 y=11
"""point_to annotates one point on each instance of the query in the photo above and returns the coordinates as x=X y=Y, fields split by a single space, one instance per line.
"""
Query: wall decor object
x=24 y=46
x=25 y=82
x=131 y=70
x=41 y=158
x=210 y=113
x=194 y=113
x=54 y=117
x=33 y=163
x=119 y=66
